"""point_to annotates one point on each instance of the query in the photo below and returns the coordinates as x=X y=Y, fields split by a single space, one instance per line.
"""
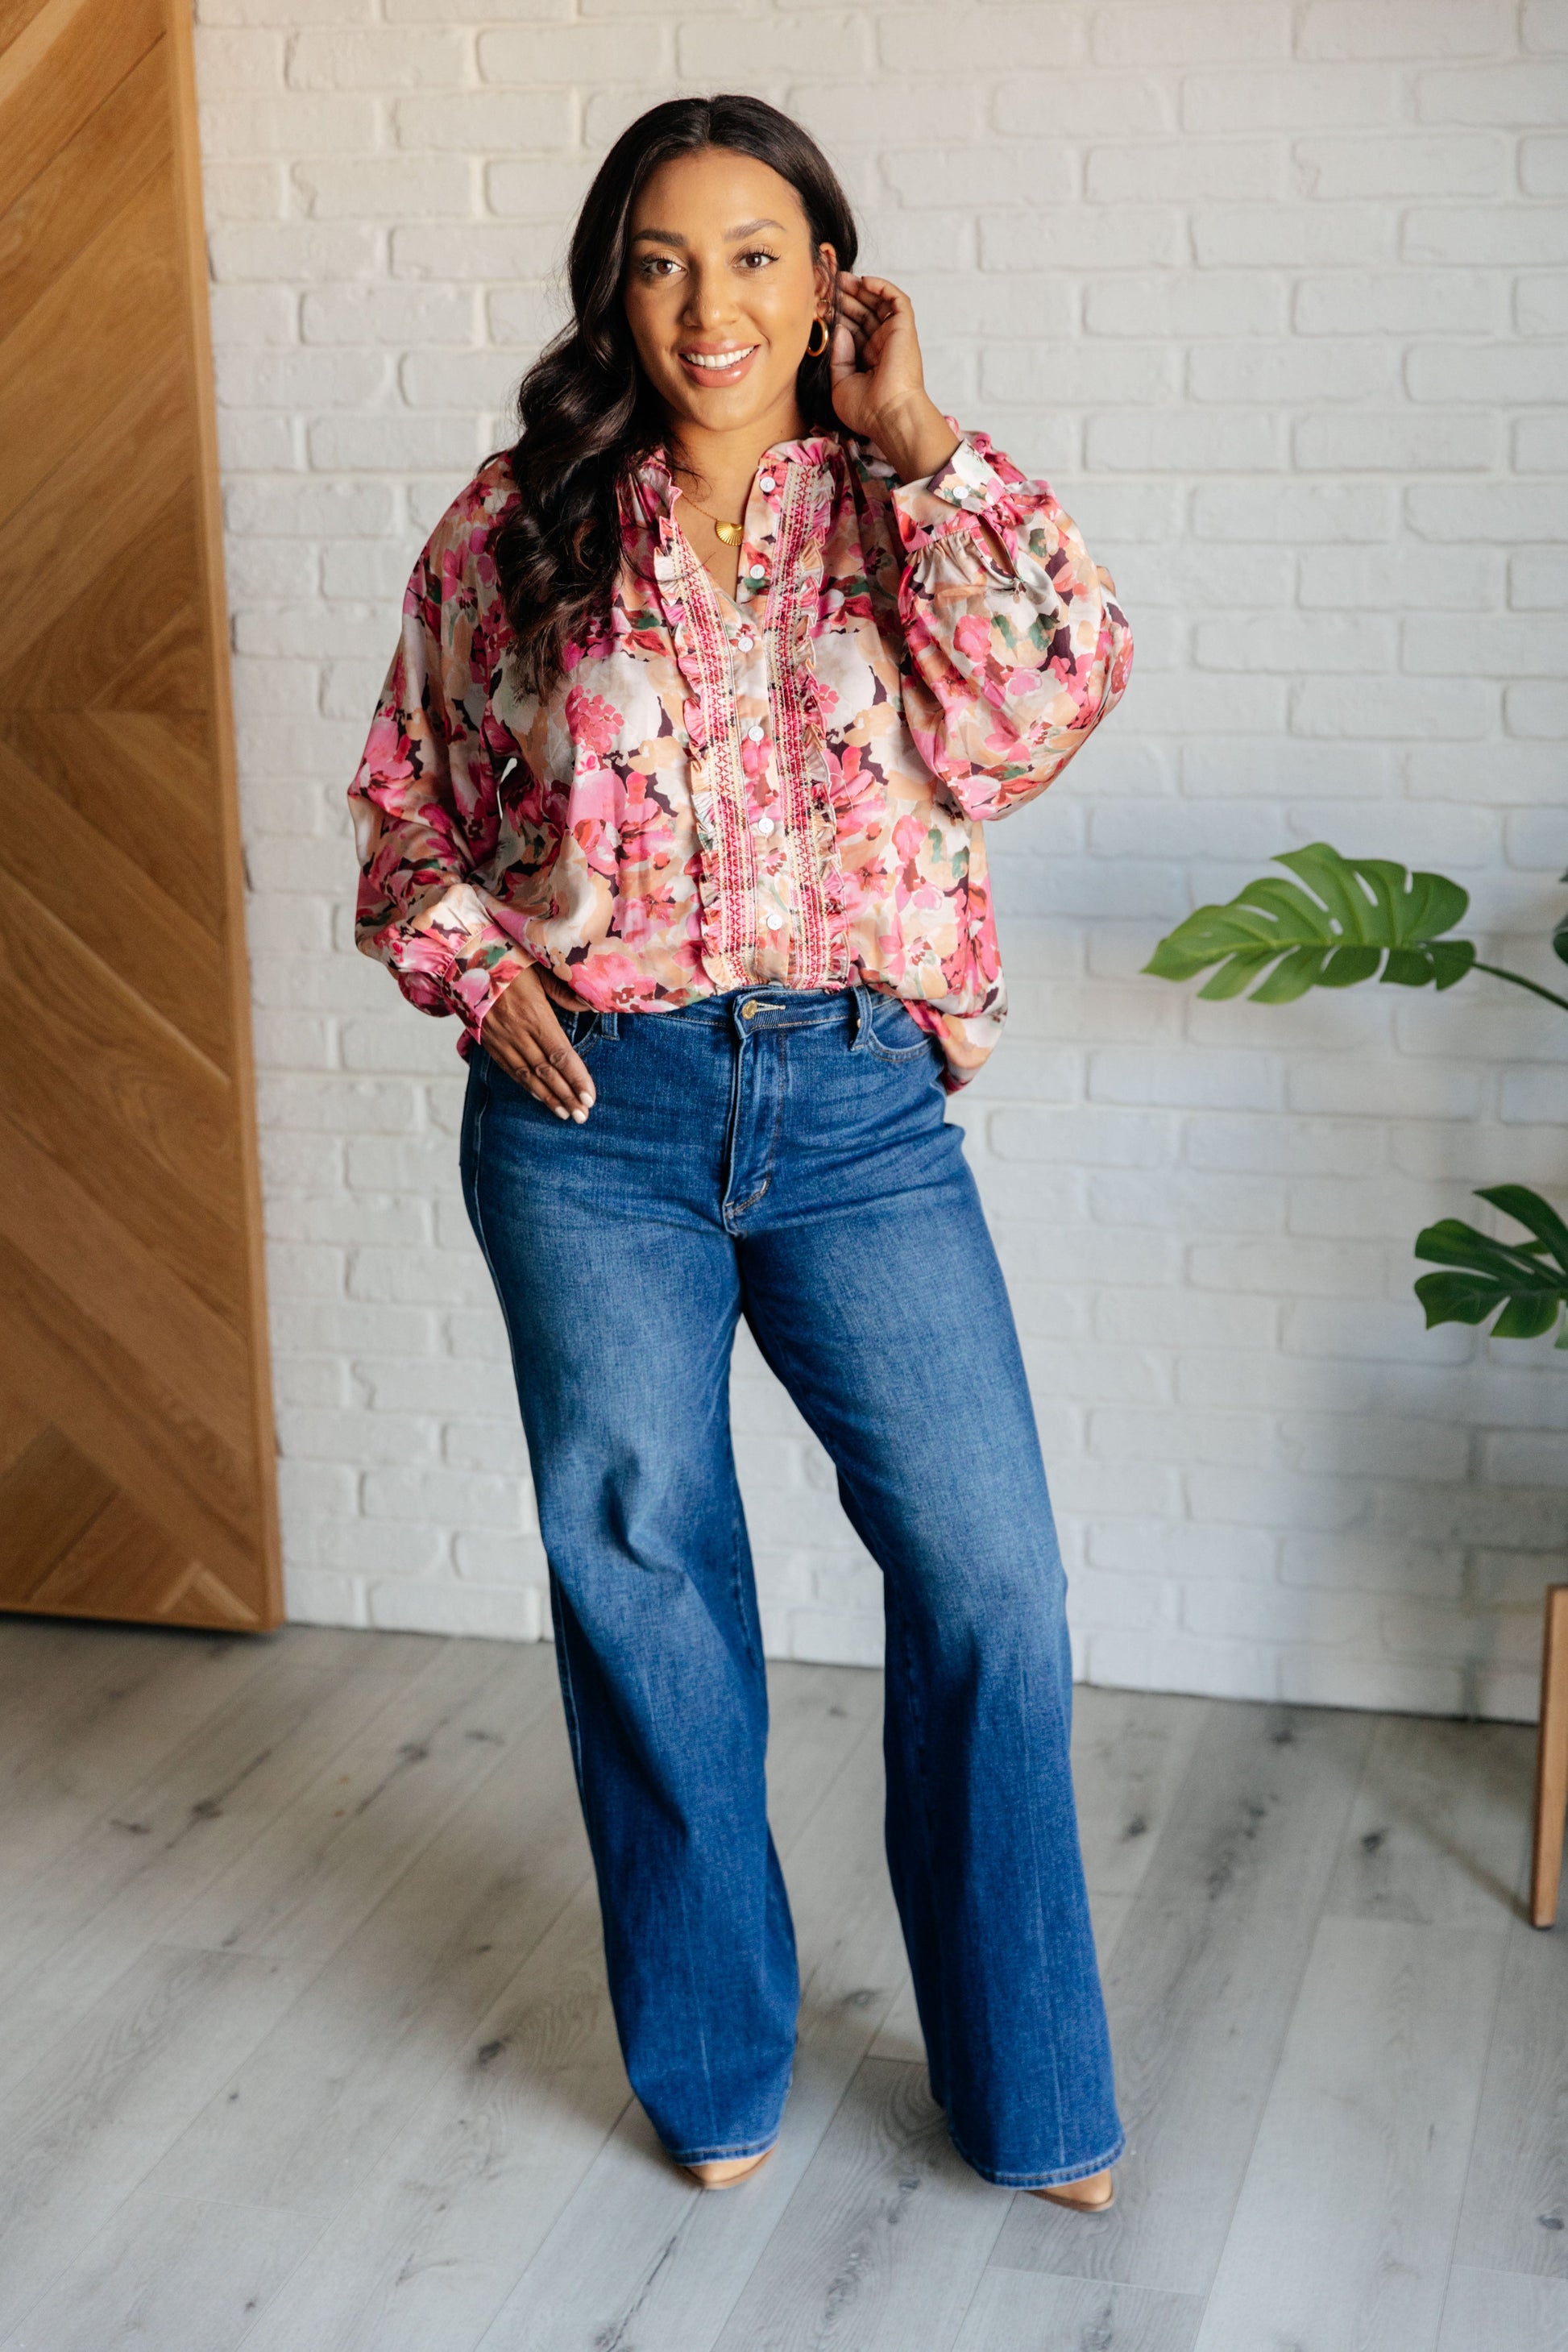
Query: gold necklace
x=731 y=533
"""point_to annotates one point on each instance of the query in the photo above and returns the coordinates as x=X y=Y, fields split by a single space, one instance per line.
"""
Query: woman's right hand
x=521 y=1032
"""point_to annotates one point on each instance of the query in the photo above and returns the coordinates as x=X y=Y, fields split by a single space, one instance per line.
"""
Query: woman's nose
x=706 y=302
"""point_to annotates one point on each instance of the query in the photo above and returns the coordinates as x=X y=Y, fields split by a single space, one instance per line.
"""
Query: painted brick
x=1538 y=580
x=1289 y=236
x=485 y=251
x=1539 y=446
x=1391 y=443
x=1405 y=28
x=1499 y=236
x=1098 y=106
x=1143 y=32
x=475 y=121
x=1235 y=170
x=1409 y=301
x=978 y=177
x=1240 y=441
x=379 y=59
x=1364 y=165
x=528 y=55
x=1302 y=512
x=1493 y=511
x=1297 y=97
x=385 y=316
x=300 y=252
x=1502 y=644
x=1133 y=237
x=1295 y=642
x=1544 y=27
x=392 y=186
x=1511 y=95
x=1376 y=578
x=1210 y=305
x=1540 y=303
x=1543 y=166
x=1502 y=374
x=713 y=54
x=1292 y=371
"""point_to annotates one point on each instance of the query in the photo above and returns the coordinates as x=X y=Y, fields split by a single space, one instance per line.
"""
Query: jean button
x=748 y=1012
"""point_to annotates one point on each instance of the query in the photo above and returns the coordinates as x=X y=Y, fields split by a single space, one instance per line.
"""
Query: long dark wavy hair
x=587 y=413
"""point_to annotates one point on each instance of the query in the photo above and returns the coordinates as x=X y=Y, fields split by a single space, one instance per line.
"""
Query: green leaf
x=1345 y=966
x=1292 y=976
x=1353 y=915
x=1455 y=1298
x=1536 y=1215
x=1525 y=1283
x=1451 y=960
x=1526 y=1318
x=1233 y=976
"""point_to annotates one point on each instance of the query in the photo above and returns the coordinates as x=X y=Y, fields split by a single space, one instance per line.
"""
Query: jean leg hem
x=718 y=2155
x=1041 y=2180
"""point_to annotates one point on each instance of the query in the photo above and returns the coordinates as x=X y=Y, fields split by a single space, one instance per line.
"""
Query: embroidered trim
x=818 y=956
x=733 y=849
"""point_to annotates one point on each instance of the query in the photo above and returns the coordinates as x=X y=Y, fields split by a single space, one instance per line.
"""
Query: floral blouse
x=788 y=786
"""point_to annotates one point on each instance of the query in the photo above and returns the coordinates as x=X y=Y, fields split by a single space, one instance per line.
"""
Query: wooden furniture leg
x=1551 y=1762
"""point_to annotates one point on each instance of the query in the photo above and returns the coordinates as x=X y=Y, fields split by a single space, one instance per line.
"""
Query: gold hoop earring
x=815 y=351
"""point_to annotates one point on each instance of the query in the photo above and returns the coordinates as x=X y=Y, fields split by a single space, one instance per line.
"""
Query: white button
x=764 y=824
x=764 y=481
x=775 y=922
x=754 y=733
x=759 y=572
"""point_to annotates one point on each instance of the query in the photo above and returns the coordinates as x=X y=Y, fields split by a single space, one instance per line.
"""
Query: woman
x=674 y=798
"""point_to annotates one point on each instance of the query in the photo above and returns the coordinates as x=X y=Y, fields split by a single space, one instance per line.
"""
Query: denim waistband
x=768 y=1006
x=772 y=1005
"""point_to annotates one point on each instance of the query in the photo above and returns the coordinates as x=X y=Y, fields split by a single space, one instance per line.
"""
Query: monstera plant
x=1345 y=919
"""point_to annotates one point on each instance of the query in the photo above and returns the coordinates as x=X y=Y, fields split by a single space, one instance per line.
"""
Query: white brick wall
x=1278 y=295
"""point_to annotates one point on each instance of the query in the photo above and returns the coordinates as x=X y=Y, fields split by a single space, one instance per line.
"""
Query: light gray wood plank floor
x=306 y=2040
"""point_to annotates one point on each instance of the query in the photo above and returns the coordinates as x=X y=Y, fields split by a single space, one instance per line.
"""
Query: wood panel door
x=136 y=1453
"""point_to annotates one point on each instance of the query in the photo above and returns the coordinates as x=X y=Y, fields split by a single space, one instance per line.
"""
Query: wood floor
x=304 y=2045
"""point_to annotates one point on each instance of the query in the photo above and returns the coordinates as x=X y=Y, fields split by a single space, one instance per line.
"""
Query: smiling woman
x=675 y=796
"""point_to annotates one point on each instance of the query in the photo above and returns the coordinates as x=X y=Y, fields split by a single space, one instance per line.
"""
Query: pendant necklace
x=731 y=533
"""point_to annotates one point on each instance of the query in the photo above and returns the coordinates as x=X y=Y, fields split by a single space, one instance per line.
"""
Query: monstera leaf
x=1354 y=913
x=1528 y=1280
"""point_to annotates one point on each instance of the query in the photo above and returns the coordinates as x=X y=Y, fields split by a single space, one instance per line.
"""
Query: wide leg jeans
x=784 y=1155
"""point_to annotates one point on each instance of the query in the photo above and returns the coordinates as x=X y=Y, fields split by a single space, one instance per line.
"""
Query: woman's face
x=722 y=287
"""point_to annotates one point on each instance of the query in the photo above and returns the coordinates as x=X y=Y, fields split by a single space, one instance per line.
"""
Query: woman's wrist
x=916 y=439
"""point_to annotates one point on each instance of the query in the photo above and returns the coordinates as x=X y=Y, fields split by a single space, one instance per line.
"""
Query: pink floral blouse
x=785 y=787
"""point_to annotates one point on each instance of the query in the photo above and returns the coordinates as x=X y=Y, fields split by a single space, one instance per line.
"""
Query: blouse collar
x=657 y=482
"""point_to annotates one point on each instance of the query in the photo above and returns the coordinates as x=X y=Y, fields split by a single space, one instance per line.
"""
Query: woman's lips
x=731 y=372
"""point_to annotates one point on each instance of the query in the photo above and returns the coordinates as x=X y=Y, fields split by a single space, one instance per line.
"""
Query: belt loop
x=862 y=1037
x=610 y=1025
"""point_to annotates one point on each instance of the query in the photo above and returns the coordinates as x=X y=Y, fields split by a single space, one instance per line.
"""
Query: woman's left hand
x=878 y=381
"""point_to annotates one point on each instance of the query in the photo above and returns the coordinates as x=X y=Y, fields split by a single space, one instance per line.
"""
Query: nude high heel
x=723 y=2173
x=1100 y=2198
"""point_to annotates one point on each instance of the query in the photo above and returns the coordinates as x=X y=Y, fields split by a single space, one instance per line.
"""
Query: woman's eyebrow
x=673 y=236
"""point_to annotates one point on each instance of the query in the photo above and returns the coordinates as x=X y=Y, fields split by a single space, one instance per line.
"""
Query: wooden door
x=136 y=1453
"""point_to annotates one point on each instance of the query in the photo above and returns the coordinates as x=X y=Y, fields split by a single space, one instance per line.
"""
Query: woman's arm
x=427 y=812
x=426 y=809
x=1014 y=646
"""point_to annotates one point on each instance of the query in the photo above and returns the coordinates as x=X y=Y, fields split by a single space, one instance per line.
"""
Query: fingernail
x=559 y=1109
x=578 y=1116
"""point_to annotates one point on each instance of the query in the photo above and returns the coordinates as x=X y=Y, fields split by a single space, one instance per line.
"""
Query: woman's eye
x=758 y=253
x=655 y=265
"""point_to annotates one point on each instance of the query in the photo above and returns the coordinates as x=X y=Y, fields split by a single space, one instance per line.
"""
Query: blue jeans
x=784 y=1155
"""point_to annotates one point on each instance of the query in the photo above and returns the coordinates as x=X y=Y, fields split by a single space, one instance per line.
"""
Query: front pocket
x=895 y=1034
x=581 y=1030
